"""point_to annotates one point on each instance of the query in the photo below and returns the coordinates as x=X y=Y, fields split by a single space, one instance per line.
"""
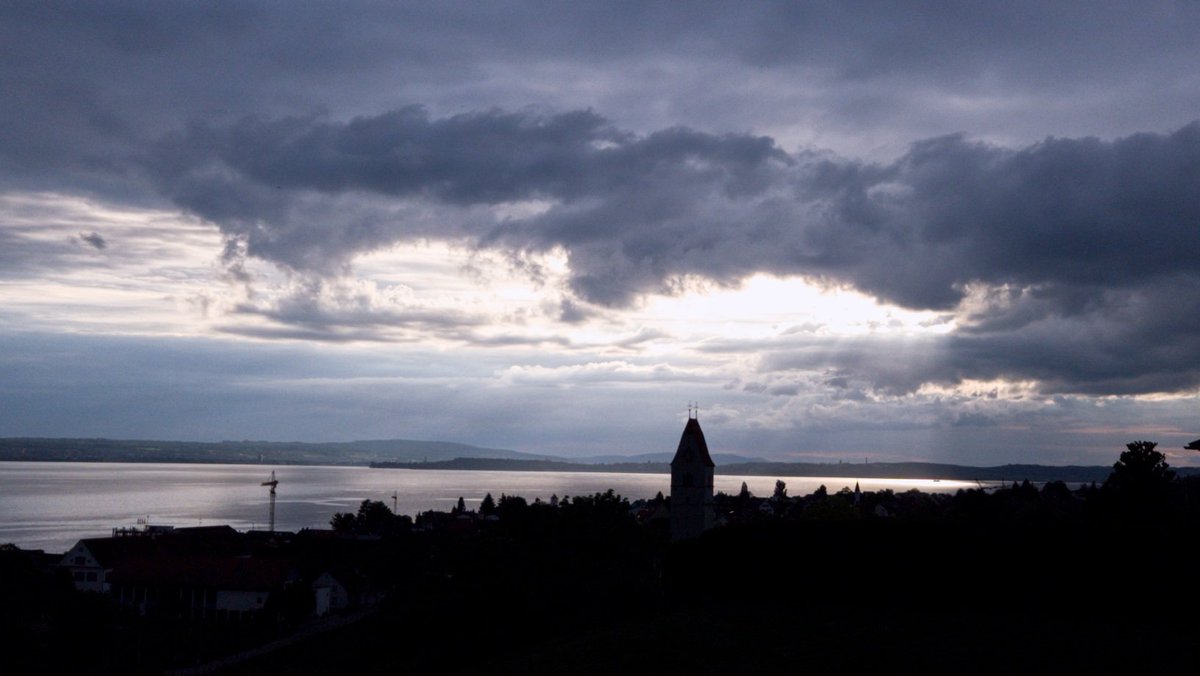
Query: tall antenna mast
x=272 y=483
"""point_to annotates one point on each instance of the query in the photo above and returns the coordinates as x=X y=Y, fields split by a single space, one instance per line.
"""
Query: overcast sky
x=961 y=232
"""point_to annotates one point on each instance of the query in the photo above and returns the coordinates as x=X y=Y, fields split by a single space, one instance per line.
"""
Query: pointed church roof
x=692 y=447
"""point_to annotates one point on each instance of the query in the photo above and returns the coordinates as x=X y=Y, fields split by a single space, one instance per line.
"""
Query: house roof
x=212 y=572
x=111 y=551
x=222 y=532
x=692 y=447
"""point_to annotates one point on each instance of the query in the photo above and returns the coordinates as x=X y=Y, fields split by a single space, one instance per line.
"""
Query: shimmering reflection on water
x=45 y=505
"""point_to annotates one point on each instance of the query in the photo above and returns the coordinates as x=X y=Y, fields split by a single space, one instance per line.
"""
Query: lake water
x=51 y=505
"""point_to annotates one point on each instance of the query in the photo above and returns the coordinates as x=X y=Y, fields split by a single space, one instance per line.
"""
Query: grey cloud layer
x=1067 y=258
x=619 y=200
x=1064 y=261
x=85 y=81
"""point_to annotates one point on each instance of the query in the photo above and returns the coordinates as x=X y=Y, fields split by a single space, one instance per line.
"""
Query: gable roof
x=213 y=572
x=111 y=551
x=692 y=447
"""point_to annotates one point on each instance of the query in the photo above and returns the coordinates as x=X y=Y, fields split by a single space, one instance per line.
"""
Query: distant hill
x=245 y=452
x=875 y=470
x=414 y=454
x=931 y=470
x=504 y=465
x=719 y=458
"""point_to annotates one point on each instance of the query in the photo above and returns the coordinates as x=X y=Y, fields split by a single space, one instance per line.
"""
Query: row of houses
x=216 y=573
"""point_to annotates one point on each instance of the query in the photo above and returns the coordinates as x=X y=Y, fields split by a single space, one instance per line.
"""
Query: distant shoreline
x=436 y=455
x=874 y=470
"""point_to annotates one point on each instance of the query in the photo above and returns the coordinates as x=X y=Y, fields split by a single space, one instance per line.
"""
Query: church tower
x=691 y=484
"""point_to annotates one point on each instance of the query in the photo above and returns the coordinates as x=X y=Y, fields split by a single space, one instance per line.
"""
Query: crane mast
x=272 y=483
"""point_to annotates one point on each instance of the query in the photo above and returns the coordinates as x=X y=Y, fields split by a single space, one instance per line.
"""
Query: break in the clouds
x=829 y=218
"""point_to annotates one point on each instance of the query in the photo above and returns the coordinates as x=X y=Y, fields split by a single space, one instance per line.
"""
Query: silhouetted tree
x=342 y=522
x=601 y=511
x=1140 y=471
x=1139 y=485
x=821 y=492
x=838 y=507
x=1056 y=490
x=376 y=518
x=512 y=501
x=780 y=490
x=373 y=518
x=511 y=507
x=488 y=506
x=461 y=506
x=744 y=494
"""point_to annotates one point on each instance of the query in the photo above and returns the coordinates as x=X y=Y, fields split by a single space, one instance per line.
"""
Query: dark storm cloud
x=258 y=180
x=1032 y=244
x=1061 y=219
x=866 y=40
x=86 y=83
x=1068 y=213
x=1131 y=341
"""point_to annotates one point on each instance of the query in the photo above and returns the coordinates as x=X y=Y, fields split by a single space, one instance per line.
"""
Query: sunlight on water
x=51 y=505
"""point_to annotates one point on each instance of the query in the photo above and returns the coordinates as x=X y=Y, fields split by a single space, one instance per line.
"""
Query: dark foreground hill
x=1020 y=580
x=1015 y=579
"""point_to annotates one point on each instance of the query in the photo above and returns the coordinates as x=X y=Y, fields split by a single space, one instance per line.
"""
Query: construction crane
x=272 y=483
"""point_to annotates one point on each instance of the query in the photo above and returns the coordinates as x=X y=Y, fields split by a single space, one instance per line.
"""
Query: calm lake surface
x=51 y=505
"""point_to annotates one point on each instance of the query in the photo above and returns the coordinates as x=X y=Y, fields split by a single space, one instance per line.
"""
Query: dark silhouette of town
x=1020 y=576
